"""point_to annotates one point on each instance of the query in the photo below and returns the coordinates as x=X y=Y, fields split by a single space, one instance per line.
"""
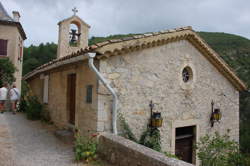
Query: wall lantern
x=156 y=119
x=216 y=115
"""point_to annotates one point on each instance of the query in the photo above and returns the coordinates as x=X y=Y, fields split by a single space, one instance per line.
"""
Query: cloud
x=40 y=17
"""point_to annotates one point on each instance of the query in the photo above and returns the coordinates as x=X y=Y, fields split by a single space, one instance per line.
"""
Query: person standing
x=14 y=97
x=3 y=97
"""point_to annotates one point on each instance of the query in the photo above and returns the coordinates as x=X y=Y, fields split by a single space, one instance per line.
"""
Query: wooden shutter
x=3 y=47
x=46 y=89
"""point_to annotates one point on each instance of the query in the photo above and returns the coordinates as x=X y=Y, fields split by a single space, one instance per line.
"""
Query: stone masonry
x=156 y=74
x=123 y=152
x=64 y=48
x=15 y=40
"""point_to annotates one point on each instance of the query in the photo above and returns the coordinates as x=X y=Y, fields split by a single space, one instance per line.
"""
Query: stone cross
x=74 y=10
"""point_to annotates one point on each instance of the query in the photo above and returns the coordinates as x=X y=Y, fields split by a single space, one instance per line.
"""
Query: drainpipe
x=91 y=57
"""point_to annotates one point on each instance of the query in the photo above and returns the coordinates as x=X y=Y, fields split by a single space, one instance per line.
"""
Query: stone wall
x=64 y=48
x=120 y=151
x=15 y=40
x=156 y=74
x=85 y=117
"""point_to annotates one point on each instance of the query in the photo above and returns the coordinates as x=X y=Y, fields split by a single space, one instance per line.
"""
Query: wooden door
x=184 y=148
x=71 y=97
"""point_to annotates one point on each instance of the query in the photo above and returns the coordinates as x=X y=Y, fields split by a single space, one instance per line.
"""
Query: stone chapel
x=89 y=87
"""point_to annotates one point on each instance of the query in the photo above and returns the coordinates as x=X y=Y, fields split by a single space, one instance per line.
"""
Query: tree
x=7 y=71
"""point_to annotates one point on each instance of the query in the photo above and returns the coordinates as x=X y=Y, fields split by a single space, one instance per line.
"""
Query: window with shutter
x=3 y=47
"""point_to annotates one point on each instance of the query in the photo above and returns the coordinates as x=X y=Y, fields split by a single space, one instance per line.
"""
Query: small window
x=187 y=74
x=3 y=47
x=89 y=94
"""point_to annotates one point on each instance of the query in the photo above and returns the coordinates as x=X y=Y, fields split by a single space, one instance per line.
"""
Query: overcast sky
x=40 y=17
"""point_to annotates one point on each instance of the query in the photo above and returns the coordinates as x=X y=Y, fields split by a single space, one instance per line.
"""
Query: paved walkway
x=31 y=143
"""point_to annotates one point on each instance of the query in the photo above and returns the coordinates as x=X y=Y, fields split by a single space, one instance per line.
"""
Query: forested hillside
x=35 y=56
x=235 y=50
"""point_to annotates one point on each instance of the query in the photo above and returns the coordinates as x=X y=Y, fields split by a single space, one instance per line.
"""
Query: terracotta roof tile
x=115 y=40
x=148 y=34
x=195 y=37
x=102 y=43
x=138 y=36
x=127 y=38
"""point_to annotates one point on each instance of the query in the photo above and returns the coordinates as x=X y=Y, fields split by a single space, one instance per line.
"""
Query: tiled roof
x=137 y=42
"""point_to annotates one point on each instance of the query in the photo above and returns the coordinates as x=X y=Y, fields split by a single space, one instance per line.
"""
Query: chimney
x=16 y=16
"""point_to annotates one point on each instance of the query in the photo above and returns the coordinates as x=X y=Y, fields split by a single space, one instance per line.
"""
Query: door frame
x=185 y=123
x=68 y=99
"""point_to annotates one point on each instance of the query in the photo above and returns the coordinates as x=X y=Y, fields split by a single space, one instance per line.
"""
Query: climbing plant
x=127 y=132
x=150 y=138
x=7 y=70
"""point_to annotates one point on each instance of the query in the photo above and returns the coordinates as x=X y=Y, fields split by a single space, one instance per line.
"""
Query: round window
x=187 y=74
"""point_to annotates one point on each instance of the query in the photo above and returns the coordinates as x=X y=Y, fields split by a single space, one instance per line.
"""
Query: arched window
x=74 y=34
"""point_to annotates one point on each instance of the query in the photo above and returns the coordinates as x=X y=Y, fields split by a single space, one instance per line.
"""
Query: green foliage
x=31 y=106
x=219 y=150
x=35 y=56
x=244 y=122
x=34 y=108
x=85 y=148
x=7 y=71
x=170 y=155
x=151 y=138
x=127 y=132
x=23 y=106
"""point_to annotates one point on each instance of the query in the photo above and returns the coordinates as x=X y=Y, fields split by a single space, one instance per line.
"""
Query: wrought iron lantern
x=216 y=115
x=156 y=119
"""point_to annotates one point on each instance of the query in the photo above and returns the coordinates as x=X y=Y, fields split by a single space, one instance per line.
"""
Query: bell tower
x=73 y=35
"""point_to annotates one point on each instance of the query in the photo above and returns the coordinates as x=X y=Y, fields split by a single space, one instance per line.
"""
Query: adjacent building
x=186 y=80
x=12 y=37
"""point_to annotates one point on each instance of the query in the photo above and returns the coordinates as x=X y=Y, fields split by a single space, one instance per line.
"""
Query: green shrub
x=45 y=116
x=31 y=106
x=23 y=105
x=151 y=138
x=85 y=148
x=34 y=108
x=127 y=132
x=170 y=155
x=219 y=150
x=7 y=71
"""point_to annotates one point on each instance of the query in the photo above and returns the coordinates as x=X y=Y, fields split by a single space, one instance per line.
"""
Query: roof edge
x=18 y=25
x=151 y=40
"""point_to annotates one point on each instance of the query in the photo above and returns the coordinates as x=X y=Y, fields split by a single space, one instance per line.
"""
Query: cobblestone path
x=31 y=143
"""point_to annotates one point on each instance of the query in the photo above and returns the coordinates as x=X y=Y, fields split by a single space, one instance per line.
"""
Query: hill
x=235 y=50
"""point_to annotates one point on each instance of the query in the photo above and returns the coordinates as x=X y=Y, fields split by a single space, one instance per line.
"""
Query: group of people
x=14 y=96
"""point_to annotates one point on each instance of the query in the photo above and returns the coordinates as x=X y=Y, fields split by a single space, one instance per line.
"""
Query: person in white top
x=14 y=98
x=3 y=97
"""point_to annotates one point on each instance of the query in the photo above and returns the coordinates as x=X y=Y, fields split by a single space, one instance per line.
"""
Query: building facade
x=12 y=37
x=176 y=69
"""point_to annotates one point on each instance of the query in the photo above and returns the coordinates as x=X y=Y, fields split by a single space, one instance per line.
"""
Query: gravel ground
x=31 y=143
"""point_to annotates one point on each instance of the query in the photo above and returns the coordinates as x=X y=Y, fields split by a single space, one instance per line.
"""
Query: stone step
x=65 y=136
